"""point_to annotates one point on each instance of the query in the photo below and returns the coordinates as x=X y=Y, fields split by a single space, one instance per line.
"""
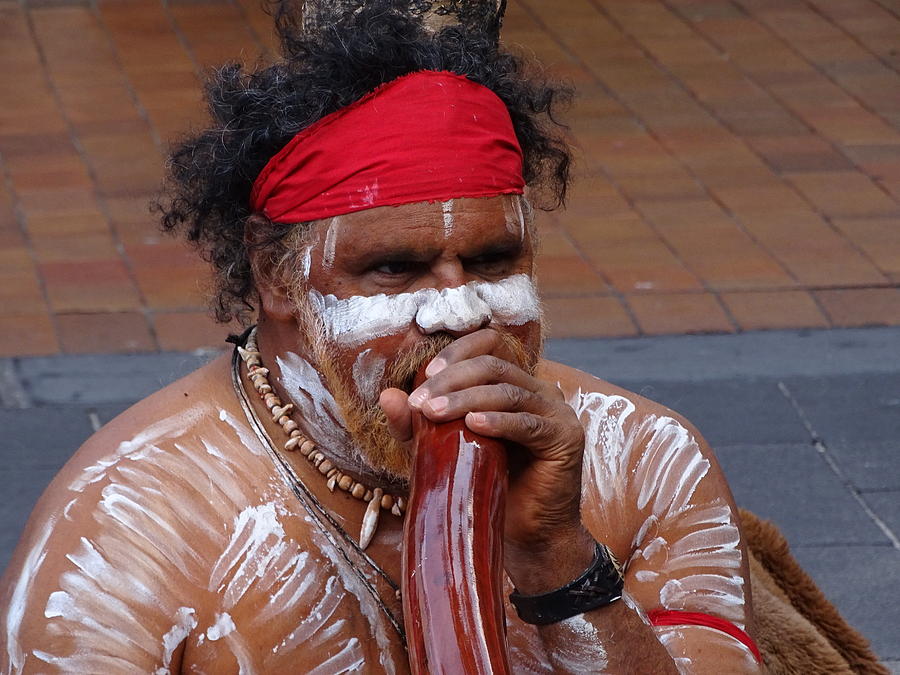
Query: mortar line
x=819 y=444
x=815 y=9
x=12 y=393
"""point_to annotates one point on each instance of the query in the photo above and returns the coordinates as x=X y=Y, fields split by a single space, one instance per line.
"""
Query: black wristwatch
x=599 y=586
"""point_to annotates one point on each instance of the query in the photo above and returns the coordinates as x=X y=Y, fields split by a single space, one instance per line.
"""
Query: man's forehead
x=424 y=224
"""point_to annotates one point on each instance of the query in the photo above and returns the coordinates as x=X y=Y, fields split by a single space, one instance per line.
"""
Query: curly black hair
x=255 y=112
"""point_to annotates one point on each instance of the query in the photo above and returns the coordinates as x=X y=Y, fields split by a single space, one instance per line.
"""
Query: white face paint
x=515 y=216
x=306 y=263
x=447 y=211
x=330 y=243
x=358 y=319
x=317 y=407
x=368 y=371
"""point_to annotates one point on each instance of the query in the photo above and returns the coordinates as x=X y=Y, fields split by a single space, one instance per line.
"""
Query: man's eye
x=394 y=268
x=494 y=261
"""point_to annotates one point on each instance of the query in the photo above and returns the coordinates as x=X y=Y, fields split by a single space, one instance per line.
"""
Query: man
x=368 y=193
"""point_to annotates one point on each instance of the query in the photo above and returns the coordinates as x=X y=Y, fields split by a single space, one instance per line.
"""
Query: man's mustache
x=403 y=370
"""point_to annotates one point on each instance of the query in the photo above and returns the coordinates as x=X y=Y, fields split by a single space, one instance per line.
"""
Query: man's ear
x=274 y=302
x=272 y=291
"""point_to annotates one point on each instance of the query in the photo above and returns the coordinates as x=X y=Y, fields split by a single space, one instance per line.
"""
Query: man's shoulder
x=576 y=384
x=173 y=415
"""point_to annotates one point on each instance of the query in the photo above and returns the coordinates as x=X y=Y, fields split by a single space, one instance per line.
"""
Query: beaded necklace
x=376 y=498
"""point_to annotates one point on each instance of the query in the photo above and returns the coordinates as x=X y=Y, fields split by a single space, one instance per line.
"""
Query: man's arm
x=84 y=600
x=643 y=474
x=614 y=638
x=654 y=492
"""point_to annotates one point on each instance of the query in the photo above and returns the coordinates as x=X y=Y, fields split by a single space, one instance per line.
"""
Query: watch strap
x=600 y=585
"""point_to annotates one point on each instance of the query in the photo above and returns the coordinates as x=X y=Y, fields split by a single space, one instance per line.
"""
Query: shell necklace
x=376 y=498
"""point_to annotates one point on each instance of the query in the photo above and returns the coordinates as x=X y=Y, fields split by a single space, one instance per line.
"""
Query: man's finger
x=484 y=341
x=527 y=429
x=396 y=408
x=493 y=397
x=481 y=370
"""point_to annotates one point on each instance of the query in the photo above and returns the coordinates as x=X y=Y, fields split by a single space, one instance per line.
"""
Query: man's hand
x=474 y=378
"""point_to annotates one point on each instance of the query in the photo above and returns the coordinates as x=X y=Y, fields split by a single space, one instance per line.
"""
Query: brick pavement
x=739 y=165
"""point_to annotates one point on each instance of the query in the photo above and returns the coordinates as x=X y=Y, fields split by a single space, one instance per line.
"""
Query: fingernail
x=438 y=404
x=436 y=366
x=477 y=418
x=418 y=397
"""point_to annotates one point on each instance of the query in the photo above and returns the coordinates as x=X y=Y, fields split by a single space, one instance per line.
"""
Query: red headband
x=426 y=136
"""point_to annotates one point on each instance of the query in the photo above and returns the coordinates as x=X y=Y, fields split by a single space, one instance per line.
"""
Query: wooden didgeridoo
x=453 y=551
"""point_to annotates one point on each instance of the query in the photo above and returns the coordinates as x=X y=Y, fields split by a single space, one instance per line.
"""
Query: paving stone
x=581 y=316
x=28 y=335
x=869 y=465
x=21 y=492
x=97 y=379
x=698 y=358
x=32 y=451
x=41 y=438
x=862 y=582
x=774 y=309
x=105 y=332
x=792 y=486
x=861 y=306
x=689 y=112
x=728 y=412
x=106 y=413
x=185 y=331
x=847 y=409
x=659 y=314
x=886 y=506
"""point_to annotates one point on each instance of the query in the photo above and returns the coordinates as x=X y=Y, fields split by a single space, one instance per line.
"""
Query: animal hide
x=798 y=631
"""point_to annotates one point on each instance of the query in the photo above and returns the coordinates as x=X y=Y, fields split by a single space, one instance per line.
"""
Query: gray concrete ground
x=805 y=424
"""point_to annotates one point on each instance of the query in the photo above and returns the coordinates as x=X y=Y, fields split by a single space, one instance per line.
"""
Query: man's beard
x=365 y=421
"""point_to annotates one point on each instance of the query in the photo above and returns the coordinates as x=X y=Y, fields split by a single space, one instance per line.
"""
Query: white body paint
x=20 y=594
x=185 y=622
x=654 y=463
x=223 y=627
x=581 y=649
x=199 y=540
x=128 y=598
x=358 y=319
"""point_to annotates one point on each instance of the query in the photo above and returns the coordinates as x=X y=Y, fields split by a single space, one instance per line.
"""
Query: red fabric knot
x=673 y=617
x=426 y=136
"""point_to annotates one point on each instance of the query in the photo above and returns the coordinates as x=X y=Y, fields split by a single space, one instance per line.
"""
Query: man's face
x=381 y=260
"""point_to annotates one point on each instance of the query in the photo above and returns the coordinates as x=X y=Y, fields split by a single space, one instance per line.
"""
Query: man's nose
x=448 y=273
x=458 y=311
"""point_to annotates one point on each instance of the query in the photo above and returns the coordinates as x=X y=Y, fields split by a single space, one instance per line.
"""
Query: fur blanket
x=798 y=630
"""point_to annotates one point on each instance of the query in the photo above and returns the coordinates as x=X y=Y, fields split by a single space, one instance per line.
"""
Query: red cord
x=672 y=617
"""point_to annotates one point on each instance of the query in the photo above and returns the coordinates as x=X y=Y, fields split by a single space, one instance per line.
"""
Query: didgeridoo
x=453 y=551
